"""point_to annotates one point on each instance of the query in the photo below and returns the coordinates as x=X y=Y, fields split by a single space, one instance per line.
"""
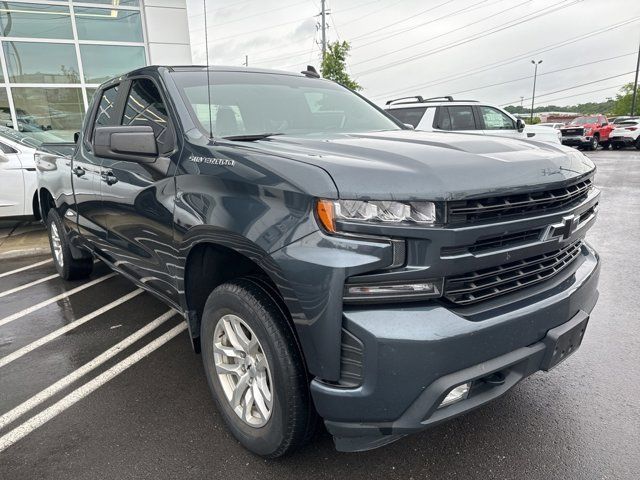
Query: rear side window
x=145 y=106
x=442 y=120
x=462 y=118
x=410 y=116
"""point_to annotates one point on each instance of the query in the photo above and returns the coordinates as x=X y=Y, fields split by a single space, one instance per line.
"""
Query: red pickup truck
x=587 y=132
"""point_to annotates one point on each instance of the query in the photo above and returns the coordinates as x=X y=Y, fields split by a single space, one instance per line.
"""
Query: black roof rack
x=310 y=72
x=419 y=99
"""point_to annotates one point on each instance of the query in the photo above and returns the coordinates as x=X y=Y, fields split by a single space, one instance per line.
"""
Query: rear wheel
x=68 y=267
x=638 y=143
x=255 y=369
x=605 y=145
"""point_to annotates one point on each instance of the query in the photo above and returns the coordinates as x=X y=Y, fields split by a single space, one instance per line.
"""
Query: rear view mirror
x=126 y=143
x=520 y=125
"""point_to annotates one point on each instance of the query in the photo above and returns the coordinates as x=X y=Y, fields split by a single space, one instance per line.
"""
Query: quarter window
x=409 y=116
x=494 y=119
x=7 y=149
x=146 y=107
x=106 y=109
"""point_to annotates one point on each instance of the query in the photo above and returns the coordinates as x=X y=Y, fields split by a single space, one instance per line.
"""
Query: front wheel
x=68 y=267
x=255 y=369
x=638 y=143
x=593 y=144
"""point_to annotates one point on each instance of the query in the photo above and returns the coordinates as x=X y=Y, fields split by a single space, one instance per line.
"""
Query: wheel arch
x=210 y=263
x=45 y=202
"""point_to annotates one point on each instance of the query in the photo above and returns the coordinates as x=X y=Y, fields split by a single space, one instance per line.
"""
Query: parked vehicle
x=626 y=134
x=325 y=257
x=621 y=119
x=587 y=132
x=18 y=181
x=444 y=114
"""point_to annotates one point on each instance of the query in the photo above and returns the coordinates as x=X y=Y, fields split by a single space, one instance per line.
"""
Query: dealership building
x=55 y=53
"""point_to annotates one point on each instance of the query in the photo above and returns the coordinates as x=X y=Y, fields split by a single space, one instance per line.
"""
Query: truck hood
x=412 y=165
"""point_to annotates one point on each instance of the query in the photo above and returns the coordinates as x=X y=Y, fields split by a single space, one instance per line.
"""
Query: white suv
x=466 y=116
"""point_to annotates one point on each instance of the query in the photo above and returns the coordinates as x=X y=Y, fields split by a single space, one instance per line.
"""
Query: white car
x=18 y=183
x=555 y=125
x=442 y=114
x=625 y=134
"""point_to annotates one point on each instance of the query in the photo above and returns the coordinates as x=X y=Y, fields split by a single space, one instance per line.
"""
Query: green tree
x=334 y=65
x=624 y=99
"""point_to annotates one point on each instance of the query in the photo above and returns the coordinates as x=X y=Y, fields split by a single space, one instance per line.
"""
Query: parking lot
x=98 y=380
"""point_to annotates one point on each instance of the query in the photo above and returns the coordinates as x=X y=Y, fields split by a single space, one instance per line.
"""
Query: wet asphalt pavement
x=64 y=415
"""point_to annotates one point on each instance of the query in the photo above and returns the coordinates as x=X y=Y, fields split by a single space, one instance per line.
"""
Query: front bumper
x=577 y=141
x=414 y=355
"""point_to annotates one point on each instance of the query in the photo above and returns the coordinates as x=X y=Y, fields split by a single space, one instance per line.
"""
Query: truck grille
x=492 y=282
x=572 y=132
x=492 y=208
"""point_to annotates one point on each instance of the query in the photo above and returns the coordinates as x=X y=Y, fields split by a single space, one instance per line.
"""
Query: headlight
x=417 y=213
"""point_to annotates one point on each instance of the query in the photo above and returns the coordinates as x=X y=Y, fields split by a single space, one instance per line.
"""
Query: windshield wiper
x=251 y=138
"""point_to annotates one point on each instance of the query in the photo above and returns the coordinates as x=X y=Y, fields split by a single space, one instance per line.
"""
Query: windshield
x=585 y=120
x=249 y=103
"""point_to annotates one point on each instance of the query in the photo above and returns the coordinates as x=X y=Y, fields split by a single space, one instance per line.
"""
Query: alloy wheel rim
x=56 y=244
x=243 y=370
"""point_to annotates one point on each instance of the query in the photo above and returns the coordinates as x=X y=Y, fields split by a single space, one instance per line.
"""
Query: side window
x=146 y=107
x=442 y=120
x=462 y=118
x=106 y=109
x=410 y=116
x=494 y=119
x=7 y=149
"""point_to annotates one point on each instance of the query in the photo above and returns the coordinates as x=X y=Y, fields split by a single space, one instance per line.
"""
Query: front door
x=138 y=198
x=86 y=172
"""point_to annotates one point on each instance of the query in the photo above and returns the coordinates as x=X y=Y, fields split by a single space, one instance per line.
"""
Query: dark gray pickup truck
x=329 y=261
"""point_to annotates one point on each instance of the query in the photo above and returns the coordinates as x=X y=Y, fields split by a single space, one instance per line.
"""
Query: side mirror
x=76 y=137
x=3 y=158
x=409 y=126
x=126 y=143
x=520 y=125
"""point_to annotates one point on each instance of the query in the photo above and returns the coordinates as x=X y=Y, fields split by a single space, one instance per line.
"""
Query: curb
x=25 y=252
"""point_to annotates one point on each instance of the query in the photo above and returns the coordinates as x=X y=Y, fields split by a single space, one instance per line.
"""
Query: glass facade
x=55 y=53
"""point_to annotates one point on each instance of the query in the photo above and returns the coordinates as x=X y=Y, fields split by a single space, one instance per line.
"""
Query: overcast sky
x=437 y=47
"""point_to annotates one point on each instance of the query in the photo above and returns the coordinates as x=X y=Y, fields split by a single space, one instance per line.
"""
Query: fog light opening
x=456 y=394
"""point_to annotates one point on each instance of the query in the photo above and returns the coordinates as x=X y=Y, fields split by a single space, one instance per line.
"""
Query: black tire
x=638 y=144
x=593 y=144
x=68 y=268
x=292 y=416
x=617 y=146
x=605 y=145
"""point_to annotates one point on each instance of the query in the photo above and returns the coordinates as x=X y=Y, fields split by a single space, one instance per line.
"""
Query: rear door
x=139 y=198
x=11 y=182
x=85 y=170
x=409 y=115
x=496 y=122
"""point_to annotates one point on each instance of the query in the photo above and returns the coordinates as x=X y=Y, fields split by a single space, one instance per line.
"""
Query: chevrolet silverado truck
x=329 y=261
x=587 y=132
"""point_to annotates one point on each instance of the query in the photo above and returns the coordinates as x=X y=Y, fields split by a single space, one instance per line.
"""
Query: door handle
x=109 y=178
x=79 y=171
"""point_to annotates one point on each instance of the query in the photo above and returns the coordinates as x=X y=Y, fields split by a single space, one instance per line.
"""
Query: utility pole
x=535 y=77
x=323 y=14
x=635 y=86
x=246 y=61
